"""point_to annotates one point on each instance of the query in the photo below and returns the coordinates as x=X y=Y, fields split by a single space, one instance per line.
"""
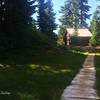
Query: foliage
x=29 y=37
x=83 y=15
x=95 y=25
x=16 y=12
x=15 y=20
x=75 y=13
x=46 y=18
x=18 y=28
x=68 y=11
x=61 y=35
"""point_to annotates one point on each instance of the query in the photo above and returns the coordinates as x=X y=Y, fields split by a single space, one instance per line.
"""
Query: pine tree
x=61 y=35
x=70 y=14
x=75 y=13
x=41 y=15
x=95 y=27
x=46 y=18
x=17 y=12
x=51 y=25
x=83 y=15
x=2 y=14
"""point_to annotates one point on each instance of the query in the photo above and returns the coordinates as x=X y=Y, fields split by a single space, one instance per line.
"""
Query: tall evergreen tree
x=2 y=13
x=95 y=27
x=83 y=12
x=17 y=12
x=46 y=18
x=41 y=15
x=61 y=35
x=75 y=13
x=51 y=25
x=68 y=16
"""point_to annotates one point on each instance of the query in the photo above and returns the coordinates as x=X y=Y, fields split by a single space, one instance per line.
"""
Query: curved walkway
x=82 y=86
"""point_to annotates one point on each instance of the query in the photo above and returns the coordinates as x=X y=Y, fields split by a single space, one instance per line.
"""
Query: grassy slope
x=97 y=64
x=26 y=37
x=35 y=75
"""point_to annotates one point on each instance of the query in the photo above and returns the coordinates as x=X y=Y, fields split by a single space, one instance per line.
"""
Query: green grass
x=97 y=64
x=35 y=75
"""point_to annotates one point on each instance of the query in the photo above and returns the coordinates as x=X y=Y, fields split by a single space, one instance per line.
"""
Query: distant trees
x=61 y=35
x=46 y=17
x=75 y=13
x=41 y=15
x=69 y=11
x=83 y=12
x=95 y=27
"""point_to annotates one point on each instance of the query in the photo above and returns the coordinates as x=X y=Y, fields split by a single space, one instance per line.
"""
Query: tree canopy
x=46 y=17
x=17 y=22
x=95 y=27
x=75 y=13
x=16 y=12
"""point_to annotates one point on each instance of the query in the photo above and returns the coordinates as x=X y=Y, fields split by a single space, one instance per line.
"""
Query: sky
x=58 y=3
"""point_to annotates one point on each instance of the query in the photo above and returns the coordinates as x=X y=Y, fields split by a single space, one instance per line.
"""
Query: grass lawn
x=97 y=64
x=35 y=75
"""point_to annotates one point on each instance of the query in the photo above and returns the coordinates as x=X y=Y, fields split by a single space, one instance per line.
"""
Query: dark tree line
x=95 y=28
x=46 y=17
x=15 y=14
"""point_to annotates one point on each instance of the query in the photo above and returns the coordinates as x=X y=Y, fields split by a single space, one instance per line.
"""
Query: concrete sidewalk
x=82 y=86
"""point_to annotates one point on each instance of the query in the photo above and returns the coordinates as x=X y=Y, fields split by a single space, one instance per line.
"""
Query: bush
x=25 y=37
x=92 y=42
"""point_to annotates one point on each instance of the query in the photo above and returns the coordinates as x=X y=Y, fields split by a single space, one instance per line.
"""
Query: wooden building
x=78 y=36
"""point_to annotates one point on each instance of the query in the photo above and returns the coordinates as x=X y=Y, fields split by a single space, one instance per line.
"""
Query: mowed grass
x=97 y=64
x=35 y=75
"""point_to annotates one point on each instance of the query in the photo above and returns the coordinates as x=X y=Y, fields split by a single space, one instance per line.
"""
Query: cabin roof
x=81 y=32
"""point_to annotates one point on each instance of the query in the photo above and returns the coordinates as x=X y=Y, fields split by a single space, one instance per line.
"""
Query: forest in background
x=19 y=29
x=74 y=15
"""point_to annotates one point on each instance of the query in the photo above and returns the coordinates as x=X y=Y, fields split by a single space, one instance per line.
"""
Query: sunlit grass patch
x=49 y=68
x=1 y=66
x=79 y=52
x=97 y=54
x=4 y=66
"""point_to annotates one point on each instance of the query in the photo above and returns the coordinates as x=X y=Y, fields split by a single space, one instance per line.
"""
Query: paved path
x=82 y=86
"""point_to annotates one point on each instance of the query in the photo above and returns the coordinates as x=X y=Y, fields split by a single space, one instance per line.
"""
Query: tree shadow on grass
x=34 y=76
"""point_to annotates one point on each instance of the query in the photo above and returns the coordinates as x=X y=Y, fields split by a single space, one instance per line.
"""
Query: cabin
x=78 y=36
